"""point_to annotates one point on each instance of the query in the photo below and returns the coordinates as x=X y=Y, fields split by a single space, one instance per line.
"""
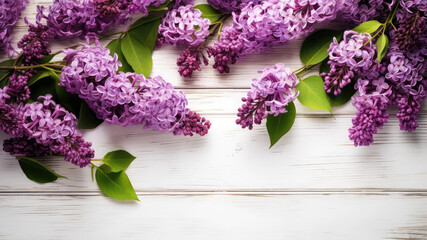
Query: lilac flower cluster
x=43 y=128
x=76 y=18
x=229 y=6
x=399 y=80
x=356 y=12
x=268 y=24
x=352 y=56
x=34 y=46
x=184 y=26
x=127 y=98
x=189 y=61
x=269 y=94
x=10 y=11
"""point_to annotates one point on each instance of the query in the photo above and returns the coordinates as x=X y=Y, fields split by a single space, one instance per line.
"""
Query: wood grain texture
x=230 y=158
x=226 y=217
x=314 y=184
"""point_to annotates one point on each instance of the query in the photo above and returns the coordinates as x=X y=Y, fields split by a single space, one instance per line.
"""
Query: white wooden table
x=314 y=184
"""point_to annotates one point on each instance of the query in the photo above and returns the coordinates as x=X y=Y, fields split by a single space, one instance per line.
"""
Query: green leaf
x=4 y=73
x=36 y=171
x=137 y=54
x=382 y=45
x=315 y=47
x=312 y=94
x=41 y=73
x=147 y=33
x=42 y=87
x=115 y=47
x=115 y=184
x=278 y=126
x=87 y=117
x=47 y=58
x=118 y=160
x=145 y=20
x=346 y=93
x=209 y=12
x=368 y=27
x=69 y=101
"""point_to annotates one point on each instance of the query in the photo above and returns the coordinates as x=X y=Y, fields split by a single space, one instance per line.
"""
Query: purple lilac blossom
x=189 y=61
x=51 y=129
x=10 y=117
x=371 y=115
x=268 y=24
x=412 y=29
x=350 y=57
x=355 y=12
x=127 y=98
x=229 y=6
x=414 y=5
x=34 y=46
x=10 y=11
x=269 y=94
x=76 y=18
x=184 y=26
x=179 y=3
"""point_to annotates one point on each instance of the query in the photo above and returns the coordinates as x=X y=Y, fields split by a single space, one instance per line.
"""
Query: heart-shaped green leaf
x=36 y=171
x=312 y=94
x=137 y=55
x=315 y=47
x=382 y=45
x=115 y=184
x=209 y=12
x=118 y=160
x=278 y=126
x=115 y=47
x=368 y=27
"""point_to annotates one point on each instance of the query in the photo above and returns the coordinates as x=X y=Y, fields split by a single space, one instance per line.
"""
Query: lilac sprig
x=46 y=127
x=271 y=23
x=354 y=55
x=127 y=98
x=10 y=11
x=76 y=18
x=184 y=27
x=269 y=94
x=371 y=115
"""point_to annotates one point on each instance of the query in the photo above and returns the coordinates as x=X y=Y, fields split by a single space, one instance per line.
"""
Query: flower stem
x=32 y=66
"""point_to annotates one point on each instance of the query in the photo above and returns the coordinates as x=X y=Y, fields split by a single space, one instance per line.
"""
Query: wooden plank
x=316 y=154
x=227 y=101
x=200 y=216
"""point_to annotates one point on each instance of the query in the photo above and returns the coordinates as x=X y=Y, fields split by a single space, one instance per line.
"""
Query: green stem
x=33 y=66
x=18 y=58
x=4 y=77
x=304 y=69
x=93 y=165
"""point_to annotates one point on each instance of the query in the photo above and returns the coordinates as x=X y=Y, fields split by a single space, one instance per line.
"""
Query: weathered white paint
x=228 y=185
x=197 y=216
